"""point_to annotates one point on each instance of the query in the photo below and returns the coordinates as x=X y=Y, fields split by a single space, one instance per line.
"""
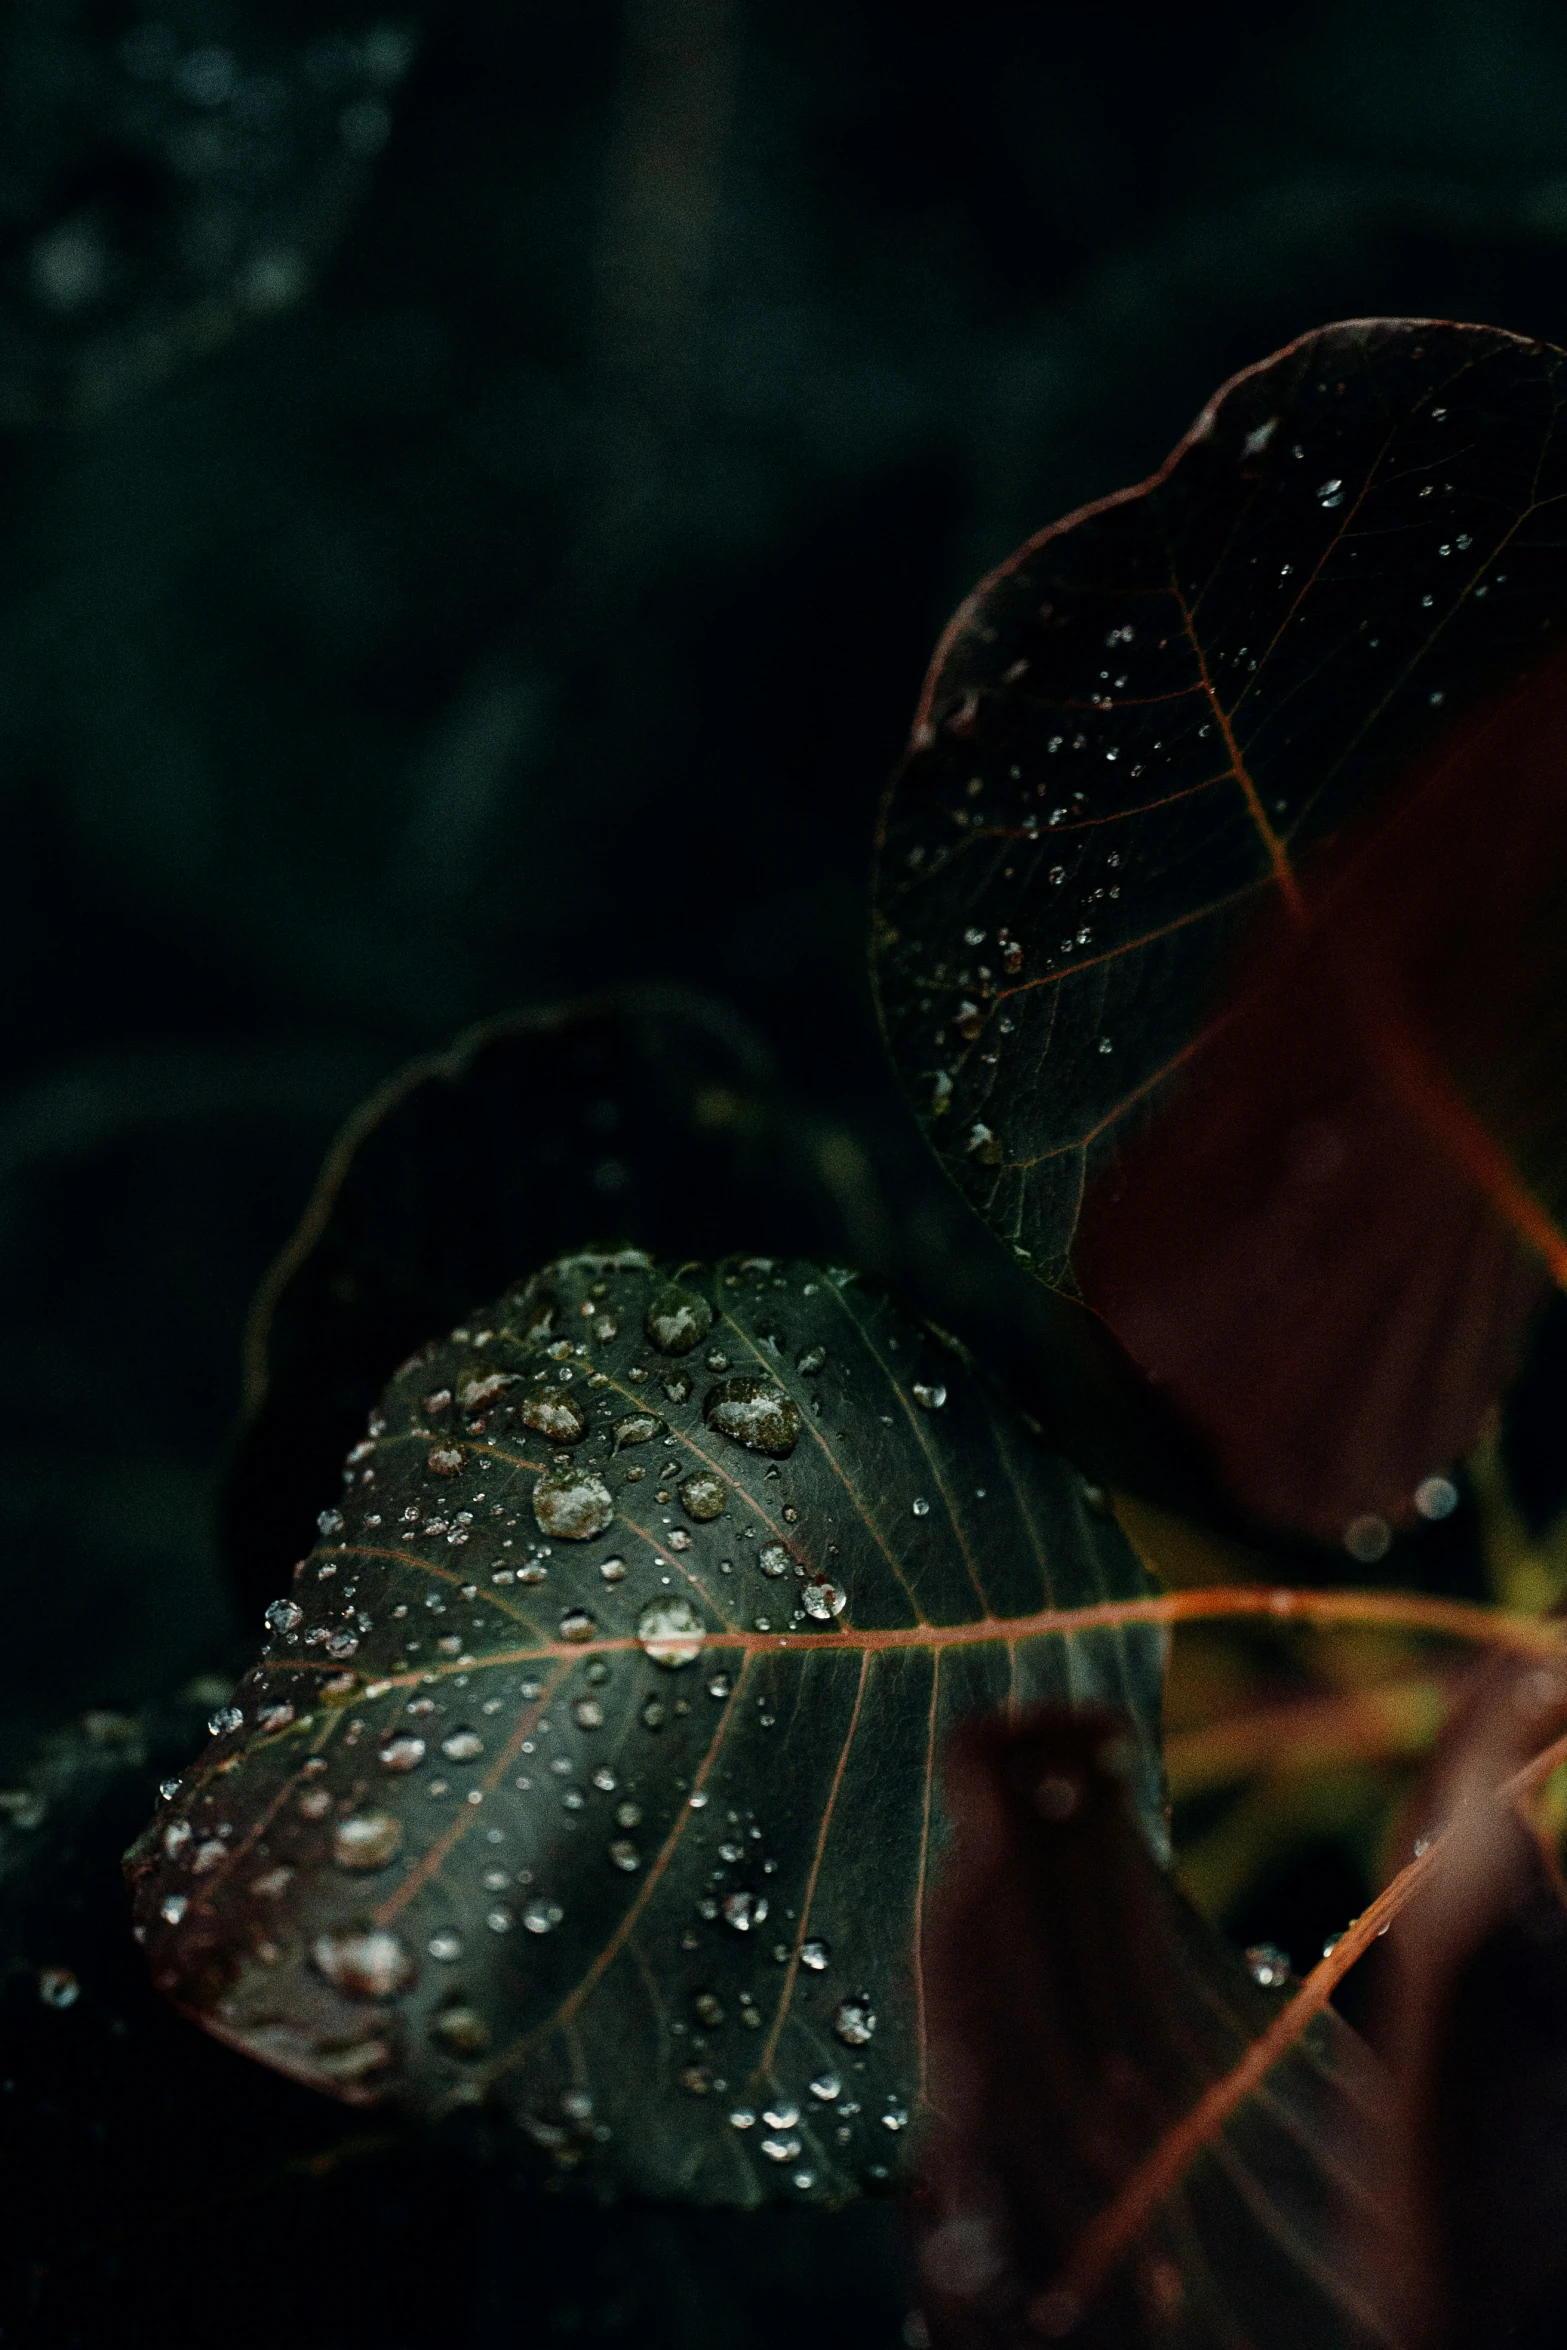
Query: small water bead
x=824 y=1601
x=283 y=1616
x=671 y=1633
x=628 y=1815
x=372 y=1964
x=854 y=2021
x=226 y=1719
x=499 y=1921
x=742 y=2118
x=577 y=1624
x=58 y=1987
x=781 y=2149
x=572 y=1505
x=542 y=1917
x=549 y=1412
x=773 y=1559
x=827 y=2087
x=743 y=1910
x=704 y=1497
x=366 y=1840
x=462 y=1746
x=624 y=1854
x=314 y=1804
x=1331 y=493
x=677 y=1319
x=719 y=1686
x=930 y=1397
x=816 y=1955
x=172 y=1908
x=445 y=1947
x=756 y=1414
x=402 y=1754
x=781 y=2117
x=588 y=1714
x=444 y=1461
x=330 y=1523
x=1368 y=1539
x=920 y=1507
x=636 y=1428
x=1436 y=1497
x=896 y=2116
x=1268 y=1965
x=461 y=2029
x=613 y=1570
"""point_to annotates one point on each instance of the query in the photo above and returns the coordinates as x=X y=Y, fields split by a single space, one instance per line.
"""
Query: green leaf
x=1137 y=728
x=589 y=1769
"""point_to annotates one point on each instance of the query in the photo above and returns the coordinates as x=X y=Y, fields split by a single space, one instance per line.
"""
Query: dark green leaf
x=1138 y=727
x=699 y=1889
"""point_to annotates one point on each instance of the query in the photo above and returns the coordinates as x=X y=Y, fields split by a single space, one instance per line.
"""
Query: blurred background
x=479 y=487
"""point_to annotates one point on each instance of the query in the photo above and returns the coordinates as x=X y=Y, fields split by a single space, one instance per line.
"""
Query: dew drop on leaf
x=704 y=1496
x=824 y=1601
x=677 y=1319
x=854 y=2021
x=462 y=1746
x=402 y=1754
x=542 y=1917
x=572 y=1505
x=366 y=1840
x=371 y=1964
x=549 y=1412
x=671 y=1632
x=755 y=1413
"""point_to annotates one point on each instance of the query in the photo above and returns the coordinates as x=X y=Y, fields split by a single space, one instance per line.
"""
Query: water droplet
x=462 y=1746
x=371 y=1964
x=755 y=1413
x=677 y=1320
x=576 y=1624
x=588 y=1714
x=743 y=1910
x=704 y=1496
x=742 y=2118
x=781 y=2117
x=624 y=1854
x=671 y=1633
x=1436 y=1497
x=549 y=1412
x=1368 y=1539
x=1268 y=1965
x=572 y=1505
x=1331 y=493
x=444 y=1461
x=499 y=1921
x=445 y=1947
x=542 y=1917
x=330 y=1523
x=461 y=2029
x=920 y=1507
x=811 y=1361
x=816 y=1955
x=366 y=1840
x=773 y=1559
x=636 y=1428
x=173 y=1908
x=283 y=1616
x=781 y=2149
x=824 y=1601
x=930 y=1397
x=402 y=1754
x=226 y=1719
x=896 y=2117
x=854 y=2021
x=827 y=2087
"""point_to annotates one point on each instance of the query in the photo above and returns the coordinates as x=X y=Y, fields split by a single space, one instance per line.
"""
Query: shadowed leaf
x=1078 y=2009
x=589 y=1769
x=1311 y=1221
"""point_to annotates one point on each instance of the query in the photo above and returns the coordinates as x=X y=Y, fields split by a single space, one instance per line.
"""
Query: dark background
x=477 y=495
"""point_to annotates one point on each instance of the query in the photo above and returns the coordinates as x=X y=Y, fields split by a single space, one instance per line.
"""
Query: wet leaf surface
x=1139 y=728
x=1078 y=2009
x=557 y=1791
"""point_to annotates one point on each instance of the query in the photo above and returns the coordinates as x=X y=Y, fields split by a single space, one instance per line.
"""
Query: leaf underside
x=1137 y=729
x=501 y=1854
x=1078 y=2008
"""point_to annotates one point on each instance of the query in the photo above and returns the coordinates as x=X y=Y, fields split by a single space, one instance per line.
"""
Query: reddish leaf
x=1146 y=729
x=1077 y=2010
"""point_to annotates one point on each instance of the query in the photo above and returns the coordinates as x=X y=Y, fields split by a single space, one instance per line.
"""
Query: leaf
x=734 y=1549
x=648 y=1109
x=1078 y=2009
x=1300 y=1204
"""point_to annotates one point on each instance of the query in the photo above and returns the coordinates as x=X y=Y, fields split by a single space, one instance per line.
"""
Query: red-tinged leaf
x=1330 y=1254
x=1468 y=2242
x=1078 y=2010
x=1329 y=1244
x=588 y=1772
